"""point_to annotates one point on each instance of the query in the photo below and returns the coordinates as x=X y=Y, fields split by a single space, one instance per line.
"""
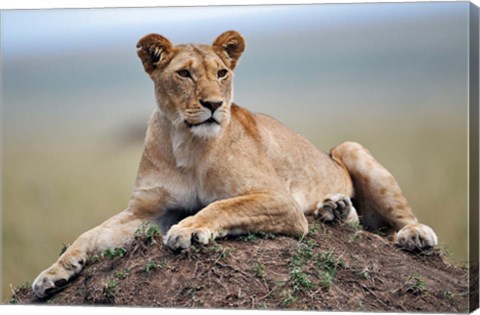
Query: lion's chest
x=194 y=189
x=210 y=185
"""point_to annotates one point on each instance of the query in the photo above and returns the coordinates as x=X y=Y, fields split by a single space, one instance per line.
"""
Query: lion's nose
x=211 y=105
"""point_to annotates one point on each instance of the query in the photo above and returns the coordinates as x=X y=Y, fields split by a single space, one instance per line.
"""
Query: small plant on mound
x=259 y=270
x=152 y=265
x=357 y=235
x=304 y=253
x=416 y=285
x=115 y=252
x=447 y=294
x=148 y=232
x=288 y=298
x=25 y=286
x=327 y=265
x=253 y=237
x=120 y=275
x=301 y=281
x=356 y=225
x=362 y=273
x=314 y=228
x=220 y=250
x=110 y=289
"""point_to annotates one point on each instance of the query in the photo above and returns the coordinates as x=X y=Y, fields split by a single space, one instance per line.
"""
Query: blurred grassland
x=55 y=191
x=53 y=194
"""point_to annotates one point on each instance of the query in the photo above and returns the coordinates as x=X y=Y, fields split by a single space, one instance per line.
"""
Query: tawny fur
x=235 y=171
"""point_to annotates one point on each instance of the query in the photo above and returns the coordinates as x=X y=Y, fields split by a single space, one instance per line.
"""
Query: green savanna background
x=75 y=105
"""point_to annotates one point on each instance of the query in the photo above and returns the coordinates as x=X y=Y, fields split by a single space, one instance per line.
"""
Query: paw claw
x=60 y=283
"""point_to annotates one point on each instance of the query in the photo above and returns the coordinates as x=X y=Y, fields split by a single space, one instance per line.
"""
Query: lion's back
x=297 y=161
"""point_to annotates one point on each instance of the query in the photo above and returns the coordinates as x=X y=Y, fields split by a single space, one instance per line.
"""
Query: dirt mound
x=334 y=267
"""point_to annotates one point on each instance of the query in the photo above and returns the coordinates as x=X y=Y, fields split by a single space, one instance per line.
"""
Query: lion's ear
x=155 y=51
x=229 y=46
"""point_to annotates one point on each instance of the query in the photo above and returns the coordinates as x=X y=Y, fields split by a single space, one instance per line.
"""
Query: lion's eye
x=184 y=73
x=222 y=73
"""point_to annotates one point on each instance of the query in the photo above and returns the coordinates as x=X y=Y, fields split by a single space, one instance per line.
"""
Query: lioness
x=233 y=170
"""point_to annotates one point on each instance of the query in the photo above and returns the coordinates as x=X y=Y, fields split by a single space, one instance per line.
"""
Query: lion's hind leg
x=379 y=199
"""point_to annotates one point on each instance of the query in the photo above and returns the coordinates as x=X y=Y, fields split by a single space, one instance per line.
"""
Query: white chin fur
x=206 y=130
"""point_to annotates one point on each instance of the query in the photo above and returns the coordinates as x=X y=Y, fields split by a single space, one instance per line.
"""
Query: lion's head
x=193 y=83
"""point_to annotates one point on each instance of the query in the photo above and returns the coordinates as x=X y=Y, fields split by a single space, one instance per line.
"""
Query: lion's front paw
x=57 y=276
x=49 y=281
x=416 y=237
x=179 y=237
x=336 y=206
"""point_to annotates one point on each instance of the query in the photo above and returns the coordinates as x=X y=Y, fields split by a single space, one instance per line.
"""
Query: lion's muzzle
x=211 y=105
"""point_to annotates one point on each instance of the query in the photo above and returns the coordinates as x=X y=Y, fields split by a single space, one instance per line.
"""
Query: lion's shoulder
x=247 y=120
